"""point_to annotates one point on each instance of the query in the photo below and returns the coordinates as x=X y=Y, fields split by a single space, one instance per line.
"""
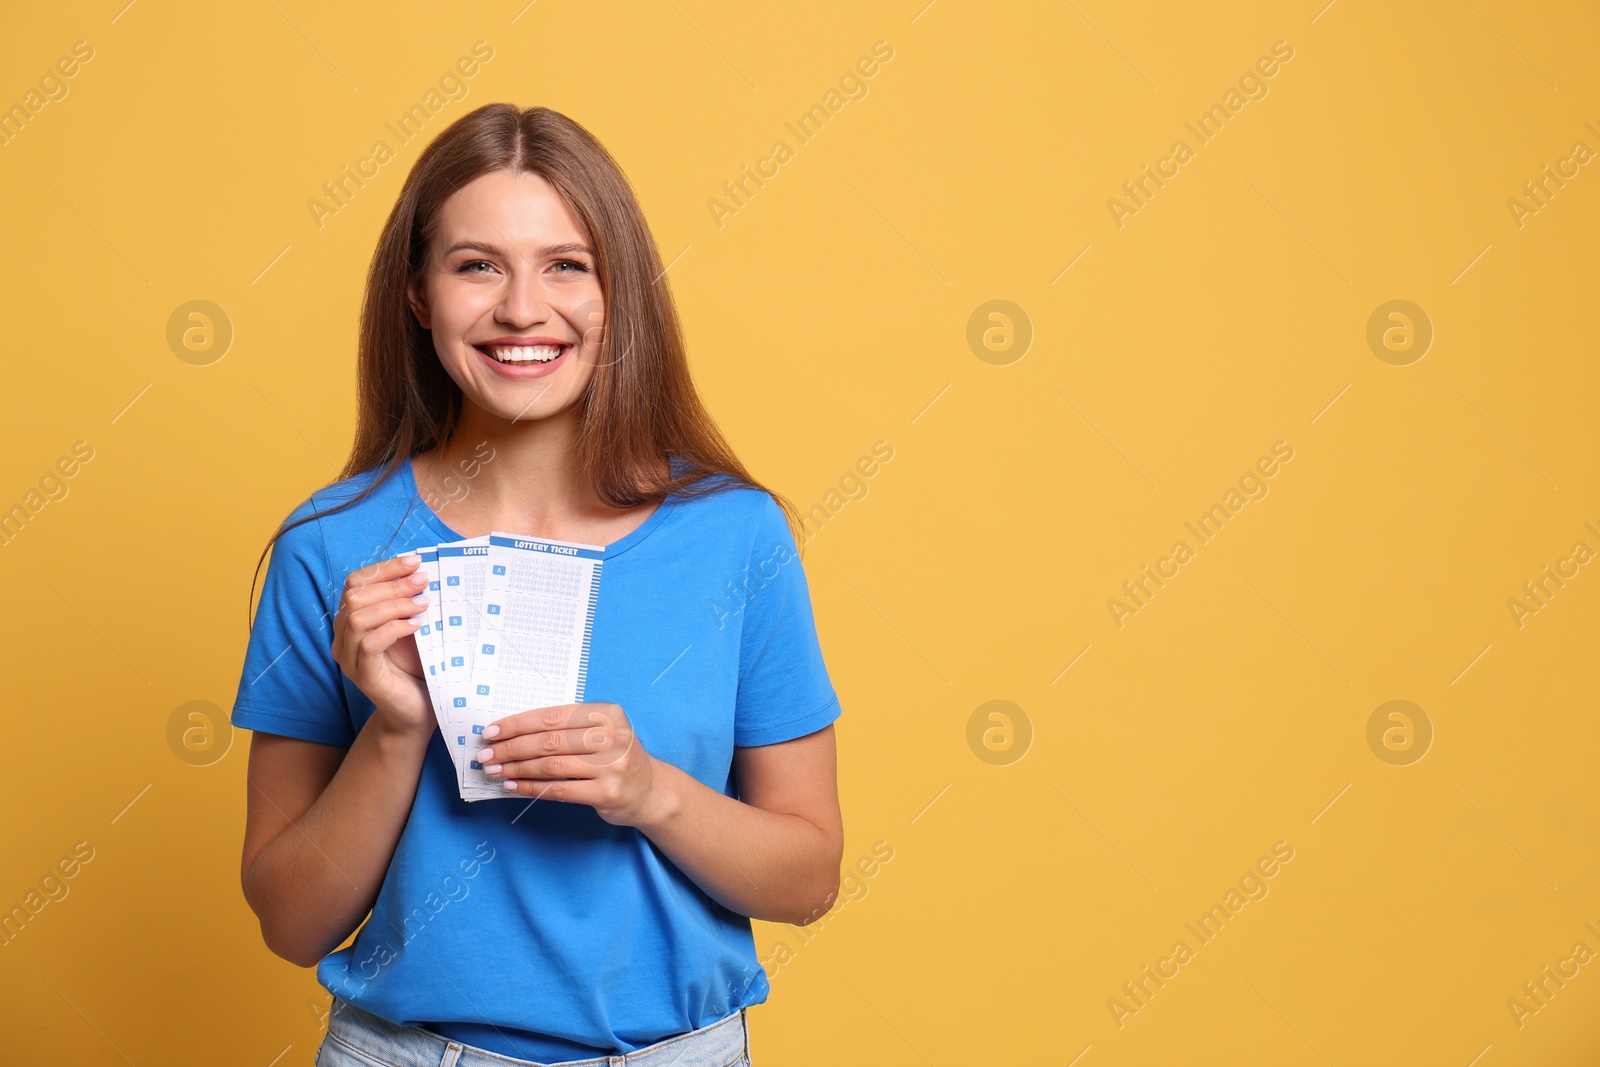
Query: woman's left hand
x=576 y=753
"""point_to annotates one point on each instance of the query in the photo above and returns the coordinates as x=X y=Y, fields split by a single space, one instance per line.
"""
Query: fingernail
x=484 y=754
x=410 y=557
x=511 y=785
x=492 y=730
x=419 y=577
x=493 y=768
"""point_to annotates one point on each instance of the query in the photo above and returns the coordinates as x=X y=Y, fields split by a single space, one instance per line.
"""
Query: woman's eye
x=571 y=263
x=466 y=268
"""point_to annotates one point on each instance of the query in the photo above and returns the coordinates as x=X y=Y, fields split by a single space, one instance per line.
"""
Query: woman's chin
x=532 y=407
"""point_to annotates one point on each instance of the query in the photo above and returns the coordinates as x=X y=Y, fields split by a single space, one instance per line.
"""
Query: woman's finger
x=543 y=743
x=543 y=768
x=361 y=620
x=571 y=791
x=407 y=585
x=382 y=571
x=535 y=720
x=374 y=643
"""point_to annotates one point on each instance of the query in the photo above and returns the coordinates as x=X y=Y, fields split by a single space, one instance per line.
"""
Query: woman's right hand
x=372 y=640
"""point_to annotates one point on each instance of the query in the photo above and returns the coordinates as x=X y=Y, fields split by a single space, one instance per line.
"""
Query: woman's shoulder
x=347 y=509
x=724 y=496
x=734 y=512
x=335 y=493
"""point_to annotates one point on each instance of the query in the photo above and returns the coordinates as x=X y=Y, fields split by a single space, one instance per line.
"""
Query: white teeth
x=527 y=354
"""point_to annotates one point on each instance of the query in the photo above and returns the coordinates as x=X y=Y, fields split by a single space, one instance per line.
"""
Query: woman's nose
x=525 y=300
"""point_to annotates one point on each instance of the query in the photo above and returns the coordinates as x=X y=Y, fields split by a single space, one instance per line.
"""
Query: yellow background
x=830 y=312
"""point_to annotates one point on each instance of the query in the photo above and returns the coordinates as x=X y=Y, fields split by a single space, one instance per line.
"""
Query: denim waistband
x=724 y=1043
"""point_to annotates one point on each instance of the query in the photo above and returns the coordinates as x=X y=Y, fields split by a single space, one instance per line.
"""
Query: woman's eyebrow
x=493 y=250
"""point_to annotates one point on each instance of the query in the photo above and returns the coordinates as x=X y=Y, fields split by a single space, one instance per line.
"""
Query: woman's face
x=512 y=297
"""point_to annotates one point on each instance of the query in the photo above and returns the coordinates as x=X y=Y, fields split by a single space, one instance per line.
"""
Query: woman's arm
x=321 y=827
x=774 y=854
x=322 y=822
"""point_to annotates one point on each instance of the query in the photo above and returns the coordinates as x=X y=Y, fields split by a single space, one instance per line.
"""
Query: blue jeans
x=358 y=1038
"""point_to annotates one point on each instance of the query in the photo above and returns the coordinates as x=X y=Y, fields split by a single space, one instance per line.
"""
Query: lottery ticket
x=508 y=628
x=539 y=598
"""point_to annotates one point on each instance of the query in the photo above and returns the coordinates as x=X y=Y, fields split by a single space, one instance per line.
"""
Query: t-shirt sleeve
x=291 y=684
x=784 y=688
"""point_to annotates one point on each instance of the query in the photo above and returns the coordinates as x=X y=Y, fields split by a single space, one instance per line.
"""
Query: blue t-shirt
x=534 y=928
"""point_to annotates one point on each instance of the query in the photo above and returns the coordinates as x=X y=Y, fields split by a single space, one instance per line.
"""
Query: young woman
x=521 y=369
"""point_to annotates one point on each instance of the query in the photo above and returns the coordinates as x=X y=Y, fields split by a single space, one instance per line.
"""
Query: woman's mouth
x=523 y=361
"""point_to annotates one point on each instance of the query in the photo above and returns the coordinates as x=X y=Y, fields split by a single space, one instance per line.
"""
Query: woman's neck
x=522 y=477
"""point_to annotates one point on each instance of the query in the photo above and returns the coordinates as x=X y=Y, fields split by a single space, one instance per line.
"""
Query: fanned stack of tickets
x=506 y=628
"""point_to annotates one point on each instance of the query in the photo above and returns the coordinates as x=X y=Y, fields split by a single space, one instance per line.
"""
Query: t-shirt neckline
x=615 y=548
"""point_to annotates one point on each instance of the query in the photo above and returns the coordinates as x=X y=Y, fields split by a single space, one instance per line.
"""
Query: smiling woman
x=457 y=296
x=697 y=790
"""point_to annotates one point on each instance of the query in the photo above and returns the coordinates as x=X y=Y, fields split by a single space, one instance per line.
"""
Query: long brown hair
x=640 y=408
